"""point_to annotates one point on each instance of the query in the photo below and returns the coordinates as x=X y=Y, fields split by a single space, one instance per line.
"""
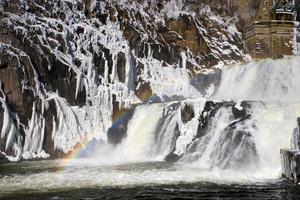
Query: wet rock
x=207 y=114
x=121 y=67
x=187 y=113
x=172 y=157
x=290 y=164
x=296 y=136
x=290 y=158
x=120 y=118
x=237 y=138
x=235 y=148
x=3 y=159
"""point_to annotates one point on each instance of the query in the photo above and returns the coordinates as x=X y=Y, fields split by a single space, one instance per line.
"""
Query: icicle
x=79 y=77
x=184 y=59
x=10 y=128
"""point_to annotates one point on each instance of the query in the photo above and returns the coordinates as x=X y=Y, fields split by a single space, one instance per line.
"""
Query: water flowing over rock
x=141 y=81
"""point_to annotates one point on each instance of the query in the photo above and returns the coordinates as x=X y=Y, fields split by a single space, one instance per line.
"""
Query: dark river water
x=85 y=179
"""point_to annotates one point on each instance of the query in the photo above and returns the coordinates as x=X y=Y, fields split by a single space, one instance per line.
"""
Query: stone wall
x=273 y=39
x=270 y=34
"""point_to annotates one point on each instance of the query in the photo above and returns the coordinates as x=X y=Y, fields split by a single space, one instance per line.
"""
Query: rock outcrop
x=67 y=67
x=290 y=158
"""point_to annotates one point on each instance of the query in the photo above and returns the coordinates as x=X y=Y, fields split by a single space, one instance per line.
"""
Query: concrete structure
x=272 y=31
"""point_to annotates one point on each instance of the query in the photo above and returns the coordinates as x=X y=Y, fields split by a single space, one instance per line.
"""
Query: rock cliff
x=69 y=69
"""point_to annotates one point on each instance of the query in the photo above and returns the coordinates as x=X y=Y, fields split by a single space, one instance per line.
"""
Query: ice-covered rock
x=290 y=158
x=75 y=63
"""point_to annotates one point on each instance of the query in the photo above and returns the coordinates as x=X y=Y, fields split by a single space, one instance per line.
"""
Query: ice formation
x=64 y=35
x=34 y=137
x=10 y=129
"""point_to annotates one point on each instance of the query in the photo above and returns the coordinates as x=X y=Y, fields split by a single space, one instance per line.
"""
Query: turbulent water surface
x=88 y=179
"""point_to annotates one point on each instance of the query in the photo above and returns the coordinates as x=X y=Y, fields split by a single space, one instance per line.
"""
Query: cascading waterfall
x=266 y=80
x=150 y=134
x=235 y=134
x=142 y=129
x=209 y=142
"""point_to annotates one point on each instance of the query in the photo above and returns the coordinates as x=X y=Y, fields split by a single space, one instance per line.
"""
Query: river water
x=89 y=179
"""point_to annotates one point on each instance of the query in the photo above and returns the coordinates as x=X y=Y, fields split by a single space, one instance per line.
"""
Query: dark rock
x=207 y=114
x=118 y=130
x=172 y=157
x=3 y=158
x=187 y=113
x=121 y=67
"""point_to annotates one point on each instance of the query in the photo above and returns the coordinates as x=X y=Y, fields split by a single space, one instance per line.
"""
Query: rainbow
x=79 y=150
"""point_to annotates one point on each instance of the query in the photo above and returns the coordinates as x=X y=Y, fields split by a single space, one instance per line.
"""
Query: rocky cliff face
x=68 y=69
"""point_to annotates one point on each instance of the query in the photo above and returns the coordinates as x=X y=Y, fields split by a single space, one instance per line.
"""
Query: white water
x=266 y=80
x=276 y=83
x=273 y=85
x=271 y=127
x=220 y=122
x=88 y=173
x=275 y=124
x=142 y=128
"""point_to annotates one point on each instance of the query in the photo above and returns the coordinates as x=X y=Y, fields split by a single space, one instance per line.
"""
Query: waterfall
x=141 y=132
x=150 y=134
x=228 y=133
x=245 y=141
x=265 y=80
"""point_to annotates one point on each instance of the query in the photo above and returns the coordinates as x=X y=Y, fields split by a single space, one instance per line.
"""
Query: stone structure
x=271 y=33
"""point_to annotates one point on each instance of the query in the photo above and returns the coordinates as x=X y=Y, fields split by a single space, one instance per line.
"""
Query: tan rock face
x=184 y=33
